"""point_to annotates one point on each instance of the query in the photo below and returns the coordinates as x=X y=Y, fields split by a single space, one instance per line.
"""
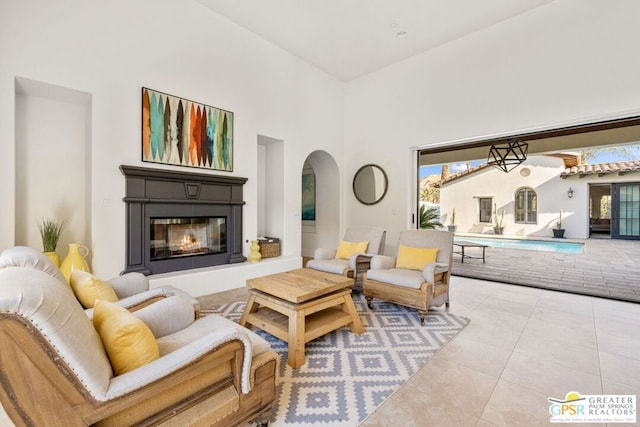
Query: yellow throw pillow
x=88 y=288
x=128 y=340
x=346 y=249
x=415 y=258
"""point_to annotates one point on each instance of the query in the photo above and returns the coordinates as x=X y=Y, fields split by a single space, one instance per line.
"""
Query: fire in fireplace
x=180 y=237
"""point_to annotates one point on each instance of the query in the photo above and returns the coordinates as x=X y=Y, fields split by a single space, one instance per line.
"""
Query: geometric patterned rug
x=347 y=376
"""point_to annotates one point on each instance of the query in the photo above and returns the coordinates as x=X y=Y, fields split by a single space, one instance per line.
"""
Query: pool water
x=532 y=245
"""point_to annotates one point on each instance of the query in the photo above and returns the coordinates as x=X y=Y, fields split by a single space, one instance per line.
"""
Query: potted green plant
x=558 y=232
x=498 y=220
x=50 y=231
x=429 y=217
x=453 y=227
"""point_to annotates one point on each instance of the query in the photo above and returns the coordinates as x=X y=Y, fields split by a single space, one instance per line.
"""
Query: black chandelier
x=507 y=156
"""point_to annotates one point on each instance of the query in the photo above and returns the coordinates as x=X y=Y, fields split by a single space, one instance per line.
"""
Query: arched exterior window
x=526 y=206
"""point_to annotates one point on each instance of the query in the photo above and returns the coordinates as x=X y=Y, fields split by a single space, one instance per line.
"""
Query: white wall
x=566 y=62
x=112 y=49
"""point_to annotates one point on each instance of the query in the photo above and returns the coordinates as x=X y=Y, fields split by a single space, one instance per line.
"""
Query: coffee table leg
x=296 y=339
x=251 y=306
x=349 y=307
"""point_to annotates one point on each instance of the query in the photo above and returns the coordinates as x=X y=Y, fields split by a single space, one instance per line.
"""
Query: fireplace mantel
x=154 y=192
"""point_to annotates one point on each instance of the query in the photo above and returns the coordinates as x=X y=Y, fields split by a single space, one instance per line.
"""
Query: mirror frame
x=386 y=184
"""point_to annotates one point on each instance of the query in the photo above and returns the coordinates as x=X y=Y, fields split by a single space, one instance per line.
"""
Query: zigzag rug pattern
x=347 y=376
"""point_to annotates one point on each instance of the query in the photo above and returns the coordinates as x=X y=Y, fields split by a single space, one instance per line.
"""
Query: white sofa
x=132 y=289
x=55 y=369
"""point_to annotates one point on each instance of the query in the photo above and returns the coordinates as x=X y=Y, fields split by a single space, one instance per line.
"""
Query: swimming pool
x=531 y=245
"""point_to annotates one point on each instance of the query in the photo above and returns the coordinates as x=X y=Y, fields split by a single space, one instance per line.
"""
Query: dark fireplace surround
x=155 y=193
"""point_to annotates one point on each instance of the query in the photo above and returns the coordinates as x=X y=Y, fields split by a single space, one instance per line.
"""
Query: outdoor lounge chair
x=343 y=261
x=418 y=277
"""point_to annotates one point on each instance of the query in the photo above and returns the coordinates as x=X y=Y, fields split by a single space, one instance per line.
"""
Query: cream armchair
x=132 y=289
x=356 y=264
x=418 y=276
x=56 y=370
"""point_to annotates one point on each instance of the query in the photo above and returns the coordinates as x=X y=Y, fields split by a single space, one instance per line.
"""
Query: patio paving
x=607 y=268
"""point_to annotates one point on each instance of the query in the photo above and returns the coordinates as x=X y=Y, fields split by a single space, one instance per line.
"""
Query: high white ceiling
x=350 y=38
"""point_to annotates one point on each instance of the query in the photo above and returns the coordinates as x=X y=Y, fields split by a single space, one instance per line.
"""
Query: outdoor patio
x=607 y=268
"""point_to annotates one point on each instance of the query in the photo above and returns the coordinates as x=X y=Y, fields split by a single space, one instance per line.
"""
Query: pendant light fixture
x=508 y=155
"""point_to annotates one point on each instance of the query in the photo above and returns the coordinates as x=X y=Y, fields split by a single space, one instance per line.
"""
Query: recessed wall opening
x=271 y=189
x=53 y=161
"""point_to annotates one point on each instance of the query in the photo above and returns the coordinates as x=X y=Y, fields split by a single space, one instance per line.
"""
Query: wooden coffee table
x=299 y=306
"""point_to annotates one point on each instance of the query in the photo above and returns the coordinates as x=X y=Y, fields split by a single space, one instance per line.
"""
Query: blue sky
x=601 y=157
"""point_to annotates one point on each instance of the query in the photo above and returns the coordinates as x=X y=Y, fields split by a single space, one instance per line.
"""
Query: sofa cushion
x=374 y=235
x=415 y=258
x=54 y=311
x=88 y=288
x=24 y=256
x=346 y=249
x=399 y=277
x=167 y=316
x=129 y=284
x=337 y=266
x=209 y=324
x=128 y=341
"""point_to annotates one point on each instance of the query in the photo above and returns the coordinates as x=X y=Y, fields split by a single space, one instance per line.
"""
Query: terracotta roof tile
x=568 y=158
x=457 y=175
x=602 y=169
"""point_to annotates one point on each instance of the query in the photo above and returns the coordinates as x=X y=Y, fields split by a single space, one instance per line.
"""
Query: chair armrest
x=382 y=262
x=170 y=290
x=430 y=270
x=358 y=257
x=162 y=368
x=138 y=300
x=324 y=253
x=167 y=316
x=129 y=284
x=441 y=267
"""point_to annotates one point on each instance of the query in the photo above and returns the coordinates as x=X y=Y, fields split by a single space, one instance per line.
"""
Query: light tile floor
x=522 y=346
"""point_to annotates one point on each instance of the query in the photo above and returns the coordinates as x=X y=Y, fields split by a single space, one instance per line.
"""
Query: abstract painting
x=308 y=194
x=176 y=131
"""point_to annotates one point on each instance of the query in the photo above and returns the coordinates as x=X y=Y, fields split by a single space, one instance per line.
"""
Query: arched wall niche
x=324 y=231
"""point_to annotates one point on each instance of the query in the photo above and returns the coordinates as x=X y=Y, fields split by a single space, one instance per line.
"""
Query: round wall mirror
x=370 y=184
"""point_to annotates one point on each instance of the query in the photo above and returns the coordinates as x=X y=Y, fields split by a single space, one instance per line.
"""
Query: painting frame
x=181 y=132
